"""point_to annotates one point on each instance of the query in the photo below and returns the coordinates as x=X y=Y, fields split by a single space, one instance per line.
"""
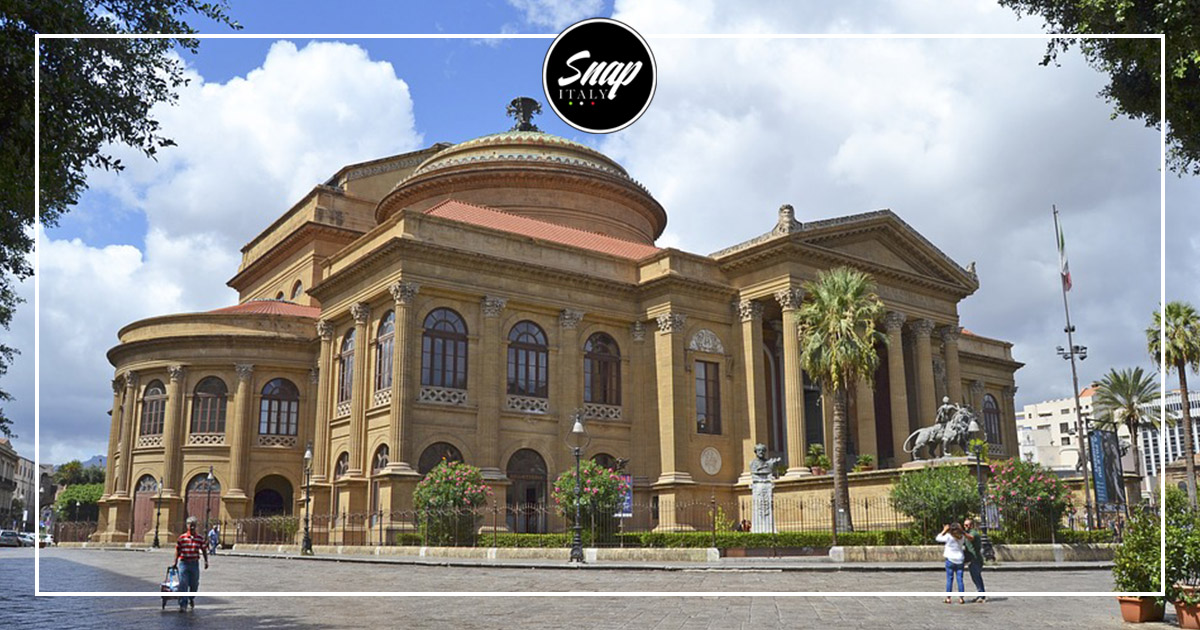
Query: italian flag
x=1063 y=268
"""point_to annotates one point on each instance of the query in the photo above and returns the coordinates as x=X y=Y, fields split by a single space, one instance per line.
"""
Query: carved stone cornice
x=176 y=372
x=493 y=306
x=325 y=330
x=404 y=292
x=950 y=334
x=894 y=321
x=638 y=331
x=921 y=327
x=749 y=310
x=671 y=323
x=569 y=318
x=361 y=312
x=789 y=299
x=244 y=371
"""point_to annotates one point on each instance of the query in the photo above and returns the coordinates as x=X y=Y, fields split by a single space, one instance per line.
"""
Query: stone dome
x=536 y=175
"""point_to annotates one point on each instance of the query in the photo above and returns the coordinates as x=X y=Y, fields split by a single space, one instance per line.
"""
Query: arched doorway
x=202 y=500
x=435 y=454
x=527 y=494
x=143 y=507
x=273 y=496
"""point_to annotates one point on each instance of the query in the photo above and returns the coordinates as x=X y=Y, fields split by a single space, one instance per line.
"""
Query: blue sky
x=968 y=141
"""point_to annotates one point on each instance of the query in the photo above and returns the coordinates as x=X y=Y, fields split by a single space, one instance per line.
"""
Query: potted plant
x=1136 y=568
x=864 y=462
x=1183 y=559
x=817 y=460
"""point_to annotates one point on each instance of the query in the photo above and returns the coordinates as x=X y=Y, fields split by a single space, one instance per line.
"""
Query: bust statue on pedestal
x=762 y=489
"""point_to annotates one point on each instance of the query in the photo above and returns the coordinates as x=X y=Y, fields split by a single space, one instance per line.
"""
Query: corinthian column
x=124 y=470
x=926 y=403
x=953 y=371
x=673 y=421
x=359 y=390
x=114 y=437
x=491 y=387
x=793 y=381
x=172 y=430
x=403 y=370
x=239 y=430
x=750 y=313
x=897 y=384
x=324 y=370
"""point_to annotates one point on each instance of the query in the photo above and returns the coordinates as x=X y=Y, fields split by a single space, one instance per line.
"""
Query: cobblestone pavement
x=64 y=570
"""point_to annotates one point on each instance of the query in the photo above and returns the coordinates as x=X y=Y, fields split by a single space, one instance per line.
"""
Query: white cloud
x=247 y=150
x=557 y=14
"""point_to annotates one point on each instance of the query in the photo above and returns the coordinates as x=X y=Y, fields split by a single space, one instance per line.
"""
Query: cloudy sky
x=968 y=140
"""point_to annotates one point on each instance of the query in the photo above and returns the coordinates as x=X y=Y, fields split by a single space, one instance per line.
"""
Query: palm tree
x=1180 y=352
x=838 y=337
x=1128 y=397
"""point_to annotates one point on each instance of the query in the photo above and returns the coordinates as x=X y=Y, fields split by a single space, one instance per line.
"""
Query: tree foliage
x=1133 y=64
x=88 y=496
x=600 y=495
x=1128 y=397
x=448 y=501
x=1181 y=353
x=73 y=473
x=94 y=93
x=936 y=496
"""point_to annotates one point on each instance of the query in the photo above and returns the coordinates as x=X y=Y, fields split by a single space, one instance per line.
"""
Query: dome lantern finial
x=523 y=109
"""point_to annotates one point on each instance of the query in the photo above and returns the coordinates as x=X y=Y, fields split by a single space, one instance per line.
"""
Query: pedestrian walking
x=974 y=557
x=954 y=540
x=188 y=550
x=214 y=535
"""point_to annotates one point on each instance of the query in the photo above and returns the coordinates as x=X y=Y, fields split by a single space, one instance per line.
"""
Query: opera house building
x=465 y=301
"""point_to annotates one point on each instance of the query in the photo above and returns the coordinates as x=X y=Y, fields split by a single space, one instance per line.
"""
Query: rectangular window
x=1066 y=440
x=708 y=398
x=1064 y=427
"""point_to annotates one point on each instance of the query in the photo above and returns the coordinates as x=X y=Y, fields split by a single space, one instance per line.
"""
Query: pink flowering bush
x=1030 y=498
x=599 y=498
x=449 y=501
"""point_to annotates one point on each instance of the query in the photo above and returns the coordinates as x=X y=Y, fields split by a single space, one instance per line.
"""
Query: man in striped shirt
x=188 y=550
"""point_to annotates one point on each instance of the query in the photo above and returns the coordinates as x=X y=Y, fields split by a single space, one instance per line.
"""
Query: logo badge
x=599 y=75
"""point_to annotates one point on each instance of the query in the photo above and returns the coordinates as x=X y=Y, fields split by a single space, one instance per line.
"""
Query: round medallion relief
x=710 y=460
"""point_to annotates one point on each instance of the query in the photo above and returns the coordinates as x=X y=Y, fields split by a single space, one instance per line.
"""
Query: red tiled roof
x=272 y=307
x=1090 y=390
x=967 y=332
x=561 y=234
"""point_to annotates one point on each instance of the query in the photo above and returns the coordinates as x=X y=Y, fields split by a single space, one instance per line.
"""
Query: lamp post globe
x=985 y=543
x=306 y=543
x=577 y=440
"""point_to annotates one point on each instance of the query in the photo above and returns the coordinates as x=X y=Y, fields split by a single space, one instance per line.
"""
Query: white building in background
x=1046 y=430
x=1148 y=440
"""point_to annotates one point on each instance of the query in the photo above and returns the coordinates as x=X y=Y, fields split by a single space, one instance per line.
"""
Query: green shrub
x=1135 y=564
x=599 y=497
x=1183 y=545
x=935 y=496
x=447 y=500
x=1027 y=494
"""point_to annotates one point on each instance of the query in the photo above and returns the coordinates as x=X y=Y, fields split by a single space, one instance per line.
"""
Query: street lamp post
x=577 y=440
x=306 y=544
x=1069 y=355
x=157 y=511
x=208 y=500
x=984 y=542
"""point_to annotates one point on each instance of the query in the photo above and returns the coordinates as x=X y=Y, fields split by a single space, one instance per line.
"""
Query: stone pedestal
x=762 y=518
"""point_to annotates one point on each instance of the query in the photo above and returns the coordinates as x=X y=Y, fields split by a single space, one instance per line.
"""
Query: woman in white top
x=952 y=536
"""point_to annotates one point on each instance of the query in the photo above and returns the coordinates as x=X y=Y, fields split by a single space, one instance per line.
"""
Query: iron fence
x=73 y=531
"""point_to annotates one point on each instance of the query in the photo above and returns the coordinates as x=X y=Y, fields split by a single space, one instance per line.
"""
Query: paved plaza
x=78 y=569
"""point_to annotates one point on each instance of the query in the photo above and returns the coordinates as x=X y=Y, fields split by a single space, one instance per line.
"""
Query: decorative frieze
x=789 y=299
x=706 y=340
x=671 y=323
x=597 y=411
x=442 y=396
x=277 y=441
x=638 y=331
x=206 y=439
x=492 y=306
x=404 y=292
x=749 y=310
x=569 y=319
x=361 y=313
x=147 y=441
x=527 y=404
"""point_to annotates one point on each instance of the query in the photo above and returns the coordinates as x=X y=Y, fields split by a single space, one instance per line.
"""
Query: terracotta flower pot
x=1188 y=615
x=1141 y=609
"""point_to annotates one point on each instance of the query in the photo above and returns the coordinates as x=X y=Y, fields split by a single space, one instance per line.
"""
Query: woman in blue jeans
x=952 y=537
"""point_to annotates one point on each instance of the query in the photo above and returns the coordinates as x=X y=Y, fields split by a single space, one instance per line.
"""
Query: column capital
x=118 y=383
x=1009 y=392
x=671 y=323
x=314 y=374
x=493 y=306
x=894 y=321
x=921 y=327
x=950 y=334
x=131 y=379
x=569 y=318
x=638 y=331
x=176 y=372
x=244 y=371
x=789 y=299
x=325 y=330
x=404 y=292
x=977 y=388
x=748 y=310
x=361 y=312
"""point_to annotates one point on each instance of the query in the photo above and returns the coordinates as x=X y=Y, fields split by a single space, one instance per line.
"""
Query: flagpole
x=1070 y=353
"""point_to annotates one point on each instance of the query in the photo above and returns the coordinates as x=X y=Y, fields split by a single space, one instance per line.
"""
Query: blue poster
x=626 y=508
x=1105 y=450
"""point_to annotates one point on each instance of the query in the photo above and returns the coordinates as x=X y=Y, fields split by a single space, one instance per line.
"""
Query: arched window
x=444 y=350
x=435 y=454
x=279 y=408
x=528 y=372
x=342 y=466
x=147 y=484
x=380 y=460
x=297 y=290
x=991 y=419
x=154 y=401
x=601 y=370
x=279 y=296
x=385 y=340
x=346 y=367
x=208 y=406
